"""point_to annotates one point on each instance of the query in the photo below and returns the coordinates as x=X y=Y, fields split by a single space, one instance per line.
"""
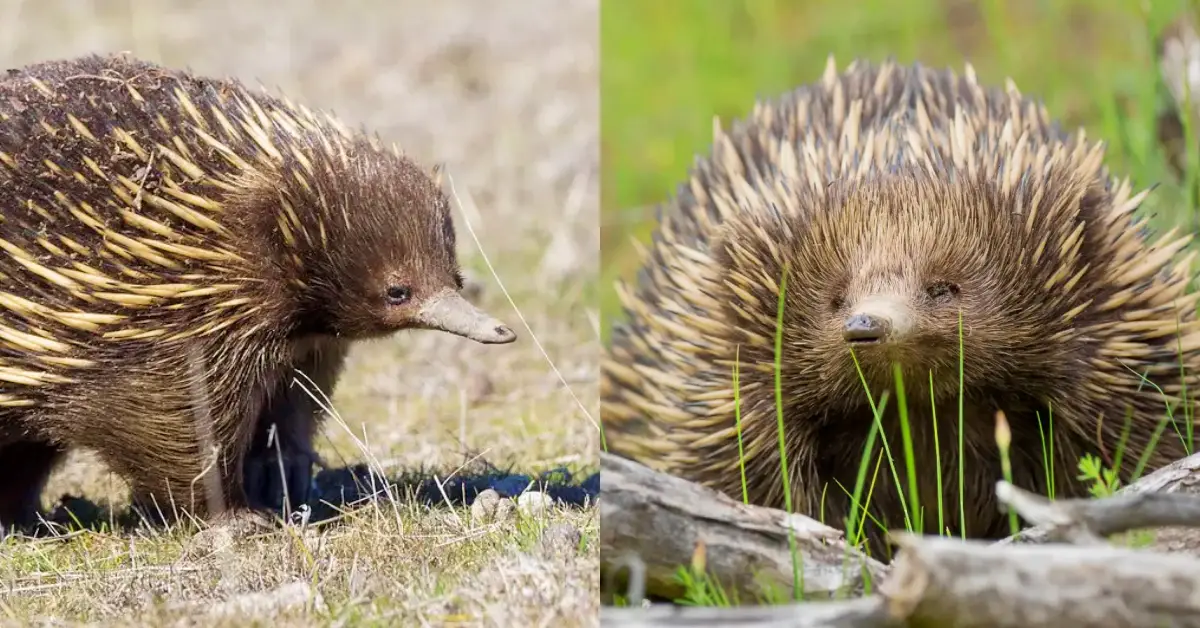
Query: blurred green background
x=669 y=66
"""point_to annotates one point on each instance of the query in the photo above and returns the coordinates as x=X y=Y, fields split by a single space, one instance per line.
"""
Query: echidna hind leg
x=27 y=466
x=293 y=416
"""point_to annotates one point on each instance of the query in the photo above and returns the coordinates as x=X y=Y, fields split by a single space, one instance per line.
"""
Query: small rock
x=534 y=503
x=559 y=540
x=242 y=523
x=208 y=542
x=483 y=509
x=506 y=511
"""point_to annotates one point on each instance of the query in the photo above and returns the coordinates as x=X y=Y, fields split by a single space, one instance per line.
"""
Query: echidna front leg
x=279 y=463
x=285 y=462
x=27 y=466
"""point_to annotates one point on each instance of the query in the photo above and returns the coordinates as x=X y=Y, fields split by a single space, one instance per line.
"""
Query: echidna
x=896 y=198
x=172 y=249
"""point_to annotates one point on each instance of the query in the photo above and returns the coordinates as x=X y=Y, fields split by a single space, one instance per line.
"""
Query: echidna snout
x=865 y=329
x=877 y=320
x=448 y=311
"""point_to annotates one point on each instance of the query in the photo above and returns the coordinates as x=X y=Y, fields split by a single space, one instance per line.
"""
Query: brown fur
x=284 y=254
x=921 y=194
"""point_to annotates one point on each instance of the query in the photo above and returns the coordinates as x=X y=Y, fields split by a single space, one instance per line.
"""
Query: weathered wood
x=939 y=581
x=933 y=581
x=662 y=519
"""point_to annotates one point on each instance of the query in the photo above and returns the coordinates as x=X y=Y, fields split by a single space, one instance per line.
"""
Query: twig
x=1088 y=521
x=1174 y=486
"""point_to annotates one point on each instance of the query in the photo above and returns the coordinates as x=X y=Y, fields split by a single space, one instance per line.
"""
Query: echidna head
x=880 y=271
x=382 y=254
x=898 y=308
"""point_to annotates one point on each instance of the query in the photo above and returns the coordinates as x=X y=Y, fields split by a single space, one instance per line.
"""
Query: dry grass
x=506 y=93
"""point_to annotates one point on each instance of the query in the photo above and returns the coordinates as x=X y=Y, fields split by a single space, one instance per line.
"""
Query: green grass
x=670 y=67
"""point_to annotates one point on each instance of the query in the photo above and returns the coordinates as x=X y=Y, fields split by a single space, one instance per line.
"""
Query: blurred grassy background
x=669 y=66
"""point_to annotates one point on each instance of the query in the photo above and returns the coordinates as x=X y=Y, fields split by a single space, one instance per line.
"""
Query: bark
x=652 y=523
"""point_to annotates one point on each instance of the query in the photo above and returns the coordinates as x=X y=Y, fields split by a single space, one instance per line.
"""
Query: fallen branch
x=1153 y=501
x=662 y=520
x=1089 y=521
x=949 y=582
x=938 y=581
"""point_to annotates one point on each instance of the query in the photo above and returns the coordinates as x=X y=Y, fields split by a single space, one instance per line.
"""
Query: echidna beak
x=878 y=319
x=448 y=311
x=865 y=329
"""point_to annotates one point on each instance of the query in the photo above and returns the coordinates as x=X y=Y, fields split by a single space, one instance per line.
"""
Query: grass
x=506 y=94
x=405 y=566
x=797 y=571
x=670 y=67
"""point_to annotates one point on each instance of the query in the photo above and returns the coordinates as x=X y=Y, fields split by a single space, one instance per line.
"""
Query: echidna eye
x=837 y=303
x=398 y=295
x=942 y=290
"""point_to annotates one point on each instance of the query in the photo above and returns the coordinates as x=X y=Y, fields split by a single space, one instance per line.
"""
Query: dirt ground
x=506 y=95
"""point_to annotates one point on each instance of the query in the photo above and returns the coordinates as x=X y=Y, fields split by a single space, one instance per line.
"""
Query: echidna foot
x=274 y=477
x=27 y=466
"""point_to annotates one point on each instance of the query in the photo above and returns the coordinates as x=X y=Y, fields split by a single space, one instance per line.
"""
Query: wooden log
x=659 y=521
x=939 y=581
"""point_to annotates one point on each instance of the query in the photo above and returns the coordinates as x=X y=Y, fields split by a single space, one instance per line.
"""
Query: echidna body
x=895 y=198
x=172 y=249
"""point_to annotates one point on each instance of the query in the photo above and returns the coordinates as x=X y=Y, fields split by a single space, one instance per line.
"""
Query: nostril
x=864 y=328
